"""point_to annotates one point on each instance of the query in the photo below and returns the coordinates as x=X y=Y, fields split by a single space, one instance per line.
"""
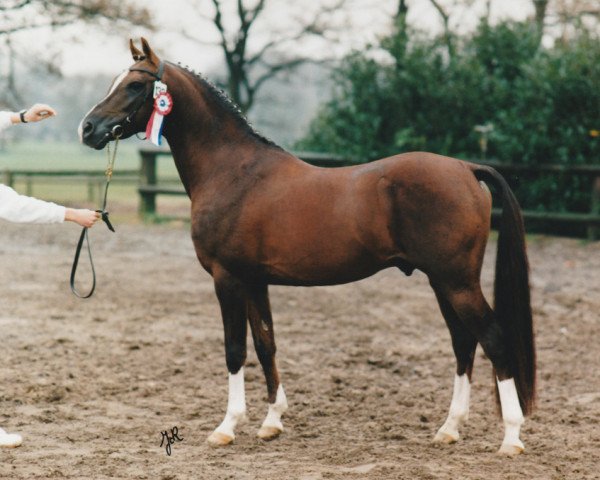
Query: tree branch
x=217 y=20
x=242 y=82
x=62 y=12
x=441 y=11
x=257 y=10
x=447 y=34
x=189 y=36
x=16 y=6
x=242 y=15
x=275 y=69
x=52 y=23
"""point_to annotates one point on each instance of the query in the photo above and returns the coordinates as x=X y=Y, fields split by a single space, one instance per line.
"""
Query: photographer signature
x=170 y=439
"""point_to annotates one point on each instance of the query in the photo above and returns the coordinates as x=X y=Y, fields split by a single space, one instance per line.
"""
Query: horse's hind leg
x=232 y=299
x=470 y=306
x=261 y=324
x=464 y=344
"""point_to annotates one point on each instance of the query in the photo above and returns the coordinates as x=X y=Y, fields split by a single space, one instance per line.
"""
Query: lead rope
x=104 y=216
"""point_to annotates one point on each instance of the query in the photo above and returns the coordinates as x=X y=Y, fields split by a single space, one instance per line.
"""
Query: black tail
x=511 y=290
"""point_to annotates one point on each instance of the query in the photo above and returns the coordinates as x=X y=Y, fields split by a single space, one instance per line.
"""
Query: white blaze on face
x=117 y=81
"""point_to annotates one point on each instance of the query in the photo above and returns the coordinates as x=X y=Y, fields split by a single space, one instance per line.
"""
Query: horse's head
x=128 y=105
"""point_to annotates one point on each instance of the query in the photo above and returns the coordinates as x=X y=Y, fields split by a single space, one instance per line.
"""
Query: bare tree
x=17 y=17
x=445 y=10
x=566 y=15
x=541 y=6
x=251 y=64
x=401 y=14
x=572 y=15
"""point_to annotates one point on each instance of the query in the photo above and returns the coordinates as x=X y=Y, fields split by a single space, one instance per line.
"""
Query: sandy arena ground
x=367 y=367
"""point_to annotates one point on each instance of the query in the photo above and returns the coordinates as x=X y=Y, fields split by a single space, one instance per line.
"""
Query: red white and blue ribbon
x=163 y=103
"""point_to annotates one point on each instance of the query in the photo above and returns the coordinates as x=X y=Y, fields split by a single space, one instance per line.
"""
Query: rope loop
x=84 y=236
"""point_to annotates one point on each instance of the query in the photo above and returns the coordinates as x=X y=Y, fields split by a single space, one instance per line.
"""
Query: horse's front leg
x=232 y=299
x=261 y=324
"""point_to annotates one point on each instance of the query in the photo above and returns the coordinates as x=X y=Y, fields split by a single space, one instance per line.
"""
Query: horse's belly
x=322 y=275
x=322 y=264
x=340 y=240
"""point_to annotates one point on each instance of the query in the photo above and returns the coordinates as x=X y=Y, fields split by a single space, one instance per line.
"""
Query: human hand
x=39 y=111
x=82 y=216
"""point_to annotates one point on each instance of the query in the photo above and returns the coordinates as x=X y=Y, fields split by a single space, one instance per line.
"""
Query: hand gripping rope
x=116 y=134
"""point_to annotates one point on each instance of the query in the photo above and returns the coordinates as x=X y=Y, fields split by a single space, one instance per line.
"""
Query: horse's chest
x=215 y=233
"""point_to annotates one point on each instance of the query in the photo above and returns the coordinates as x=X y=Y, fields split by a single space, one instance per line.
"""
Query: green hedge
x=543 y=103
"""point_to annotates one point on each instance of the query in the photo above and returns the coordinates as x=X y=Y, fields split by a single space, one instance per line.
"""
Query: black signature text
x=170 y=439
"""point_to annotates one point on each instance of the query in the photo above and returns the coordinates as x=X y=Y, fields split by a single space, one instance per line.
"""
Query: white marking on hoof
x=269 y=433
x=511 y=450
x=272 y=426
x=445 y=437
x=10 y=440
x=236 y=411
x=512 y=415
x=459 y=411
x=218 y=439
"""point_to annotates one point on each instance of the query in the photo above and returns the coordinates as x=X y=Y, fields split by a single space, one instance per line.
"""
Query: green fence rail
x=94 y=180
x=149 y=186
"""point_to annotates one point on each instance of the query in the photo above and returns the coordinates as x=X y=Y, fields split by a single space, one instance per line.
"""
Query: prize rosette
x=163 y=105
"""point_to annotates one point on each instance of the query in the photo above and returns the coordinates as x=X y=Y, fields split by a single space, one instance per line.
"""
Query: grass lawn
x=25 y=155
x=78 y=193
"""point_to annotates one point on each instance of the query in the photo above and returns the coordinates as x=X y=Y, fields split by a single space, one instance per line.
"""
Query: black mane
x=224 y=101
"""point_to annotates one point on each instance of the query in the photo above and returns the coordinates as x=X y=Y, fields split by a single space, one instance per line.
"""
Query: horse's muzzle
x=97 y=137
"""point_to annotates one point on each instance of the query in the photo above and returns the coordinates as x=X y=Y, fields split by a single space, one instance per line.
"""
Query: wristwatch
x=22 y=115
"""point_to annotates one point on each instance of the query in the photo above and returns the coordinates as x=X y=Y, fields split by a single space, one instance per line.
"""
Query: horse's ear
x=135 y=52
x=149 y=53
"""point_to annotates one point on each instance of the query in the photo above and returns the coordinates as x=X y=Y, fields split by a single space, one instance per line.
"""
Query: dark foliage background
x=542 y=103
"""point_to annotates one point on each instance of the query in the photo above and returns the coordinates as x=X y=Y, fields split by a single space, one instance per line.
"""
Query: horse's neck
x=188 y=131
x=206 y=142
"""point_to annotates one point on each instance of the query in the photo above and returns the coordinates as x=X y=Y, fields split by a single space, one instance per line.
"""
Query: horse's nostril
x=88 y=128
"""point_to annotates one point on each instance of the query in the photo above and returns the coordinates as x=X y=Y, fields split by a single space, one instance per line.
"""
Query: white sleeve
x=21 y=209
x=5 y=120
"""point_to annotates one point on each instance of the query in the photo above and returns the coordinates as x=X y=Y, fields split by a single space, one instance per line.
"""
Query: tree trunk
x=540 y=15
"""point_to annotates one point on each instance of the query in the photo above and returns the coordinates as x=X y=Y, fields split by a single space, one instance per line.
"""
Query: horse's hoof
x=10 y=440
x=510 y=450
x=218 y=439
x=443 y=437
x=269 y=433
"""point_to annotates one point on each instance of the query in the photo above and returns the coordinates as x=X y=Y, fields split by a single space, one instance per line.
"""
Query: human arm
x=35 y=113
x=5 y=120
x=22 y=209
x=82 y=216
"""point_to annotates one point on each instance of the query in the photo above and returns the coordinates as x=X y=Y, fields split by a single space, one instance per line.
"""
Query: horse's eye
x=135 y=86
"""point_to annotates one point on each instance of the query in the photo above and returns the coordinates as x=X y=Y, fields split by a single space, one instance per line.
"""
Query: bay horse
x=261 y=216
